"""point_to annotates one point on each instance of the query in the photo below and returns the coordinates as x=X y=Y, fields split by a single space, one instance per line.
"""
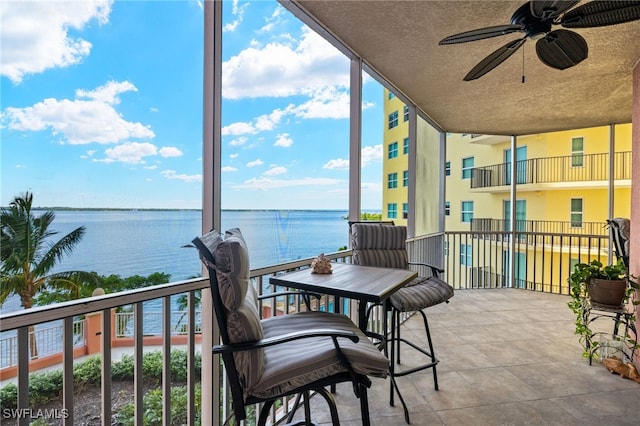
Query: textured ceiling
x=400 y=39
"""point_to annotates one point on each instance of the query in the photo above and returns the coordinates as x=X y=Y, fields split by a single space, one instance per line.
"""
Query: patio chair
x=291 y=354
x=620 y=231
x=384 y=244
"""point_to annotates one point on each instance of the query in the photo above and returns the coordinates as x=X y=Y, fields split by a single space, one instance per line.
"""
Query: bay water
x=141 y=242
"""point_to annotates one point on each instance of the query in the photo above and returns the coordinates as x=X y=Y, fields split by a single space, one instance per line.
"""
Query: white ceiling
x=399 y=40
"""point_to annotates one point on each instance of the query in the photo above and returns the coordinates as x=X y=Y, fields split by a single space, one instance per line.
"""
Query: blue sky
x=101 y=106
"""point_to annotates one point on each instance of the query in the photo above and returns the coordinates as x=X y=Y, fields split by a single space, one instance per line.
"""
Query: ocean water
x=142 y=242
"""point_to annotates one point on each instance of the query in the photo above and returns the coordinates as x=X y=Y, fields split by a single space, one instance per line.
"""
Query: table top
x=353 y=281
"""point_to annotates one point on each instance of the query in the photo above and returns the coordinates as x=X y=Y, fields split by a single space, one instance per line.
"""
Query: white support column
x=413 y=173
x=211 y=195
x=612 y=168
x=355 y=140
x=442 y=183
x=512 y=211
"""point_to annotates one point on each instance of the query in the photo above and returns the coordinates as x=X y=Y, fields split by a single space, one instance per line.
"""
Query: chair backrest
x=620 y=230
x=236 y=307
x=379 y=244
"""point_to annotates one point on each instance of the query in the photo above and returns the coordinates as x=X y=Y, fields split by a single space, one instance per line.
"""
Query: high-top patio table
x=362 y=283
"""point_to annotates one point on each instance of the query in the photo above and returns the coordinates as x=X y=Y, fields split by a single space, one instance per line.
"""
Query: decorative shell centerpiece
x=321 y=265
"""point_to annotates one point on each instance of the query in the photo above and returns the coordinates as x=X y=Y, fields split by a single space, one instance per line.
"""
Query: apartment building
x=562 y=187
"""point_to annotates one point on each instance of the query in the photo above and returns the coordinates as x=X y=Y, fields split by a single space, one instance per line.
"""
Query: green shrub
x=9 y=396
x=88 y=371
x=152 y=402
x=123 y=369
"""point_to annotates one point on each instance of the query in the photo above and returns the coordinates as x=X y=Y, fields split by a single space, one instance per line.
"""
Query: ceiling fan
x=559 y=48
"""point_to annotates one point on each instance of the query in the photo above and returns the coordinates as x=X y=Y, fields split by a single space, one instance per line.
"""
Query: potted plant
x=594 y=282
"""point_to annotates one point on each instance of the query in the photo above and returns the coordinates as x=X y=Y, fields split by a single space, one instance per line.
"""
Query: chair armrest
x=276 y=340
x=306 y=296
x=434 y=269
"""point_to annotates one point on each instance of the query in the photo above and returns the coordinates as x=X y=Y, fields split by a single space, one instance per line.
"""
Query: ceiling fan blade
x=481 y=34
x=562 y=49
x=495 y=59
x=601 y=13
x=550 y=9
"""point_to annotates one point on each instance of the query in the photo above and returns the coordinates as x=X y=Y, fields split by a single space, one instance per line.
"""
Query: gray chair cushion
x=311 y=359
x=379 y=245
x=421 y=293
x=243 y=325
x=232 y=268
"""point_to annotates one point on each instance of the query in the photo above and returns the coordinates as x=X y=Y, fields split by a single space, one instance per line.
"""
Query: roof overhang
x=399 y=40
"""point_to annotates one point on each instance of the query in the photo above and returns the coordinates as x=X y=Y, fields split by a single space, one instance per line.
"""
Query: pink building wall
x=634 y=249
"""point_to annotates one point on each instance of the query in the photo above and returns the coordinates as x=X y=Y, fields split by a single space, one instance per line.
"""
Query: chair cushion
x=243 y=325
x=232 y=268
x=421 y=293
x=311 y=359
x=379 y=245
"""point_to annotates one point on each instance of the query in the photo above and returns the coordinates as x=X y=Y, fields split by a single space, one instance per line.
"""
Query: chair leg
x=395 y=342
x=364 y=405
x=264 y=413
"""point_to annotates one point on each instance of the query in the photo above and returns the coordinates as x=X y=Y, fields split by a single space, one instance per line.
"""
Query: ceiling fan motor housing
x=535 y=28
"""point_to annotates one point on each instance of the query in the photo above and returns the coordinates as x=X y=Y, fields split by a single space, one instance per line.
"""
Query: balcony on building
x=582 y=171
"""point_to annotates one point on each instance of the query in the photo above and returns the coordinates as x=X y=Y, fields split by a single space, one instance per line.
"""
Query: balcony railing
x=572 y=168
x=535 y=226
x=539 y=262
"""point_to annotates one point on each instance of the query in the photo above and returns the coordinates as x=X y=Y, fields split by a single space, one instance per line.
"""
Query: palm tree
x=28 y=255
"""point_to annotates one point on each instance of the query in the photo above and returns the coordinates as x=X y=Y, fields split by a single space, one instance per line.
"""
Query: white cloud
x=234 y=155
x=371 y=154
x=276 y=170
x=283 y=140
x=273 y=20
x=229 y=169
x=257 y=162
x=170 y=151
x=108 y=93
x=239 y=141
x=279 y=69
x=171 y=174
x=131 y=153
x=338 y=163
x=239 y=128
x=238 y=12
x=35 y=34
x=266 y=184
x=80 y=121
x=151 y=167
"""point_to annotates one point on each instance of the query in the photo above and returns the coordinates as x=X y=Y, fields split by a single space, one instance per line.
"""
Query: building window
x=576 y=212
x=447 y=208
x=392 y=180
x=446 y=248
x=466 y=209
x=466 y=254
x=405 y=210
x=393 y=150
x=467 y=166
x=447 y=168
x=577 y=152
x=392 y=95
x=405 y=146
x=393 y=119
x=405 y=178
x=392 y=211
x=406 y=113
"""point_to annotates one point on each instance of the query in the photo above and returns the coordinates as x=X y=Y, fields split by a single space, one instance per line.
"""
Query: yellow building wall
x=397 y=165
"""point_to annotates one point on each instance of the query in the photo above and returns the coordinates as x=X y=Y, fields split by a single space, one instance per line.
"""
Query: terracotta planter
x=607 y=292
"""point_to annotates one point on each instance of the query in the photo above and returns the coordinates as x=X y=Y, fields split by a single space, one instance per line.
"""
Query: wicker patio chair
x=291 y=354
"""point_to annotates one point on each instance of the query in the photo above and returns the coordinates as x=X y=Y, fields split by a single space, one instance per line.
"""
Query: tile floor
x=507 y=357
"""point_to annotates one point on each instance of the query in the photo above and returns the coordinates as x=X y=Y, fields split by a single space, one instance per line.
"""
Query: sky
x=101 y=106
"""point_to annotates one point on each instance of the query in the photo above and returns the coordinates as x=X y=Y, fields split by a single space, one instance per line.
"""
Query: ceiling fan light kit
x=560 y=48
